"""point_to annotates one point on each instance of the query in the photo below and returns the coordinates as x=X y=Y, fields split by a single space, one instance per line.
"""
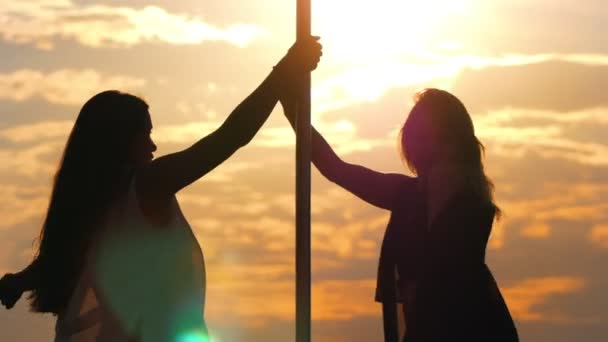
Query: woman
x=117 y=260
x=432 y=256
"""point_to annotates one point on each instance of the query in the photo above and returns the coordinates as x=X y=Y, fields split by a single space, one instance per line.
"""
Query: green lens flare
x=194 y=337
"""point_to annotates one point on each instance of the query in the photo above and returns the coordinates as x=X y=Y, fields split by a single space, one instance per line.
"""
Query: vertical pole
x=303 y=274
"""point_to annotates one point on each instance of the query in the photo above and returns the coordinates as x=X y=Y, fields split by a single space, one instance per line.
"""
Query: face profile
x=143 y=147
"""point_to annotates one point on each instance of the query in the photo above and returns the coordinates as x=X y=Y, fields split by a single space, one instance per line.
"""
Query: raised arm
x=374 y=187
x=166 y=175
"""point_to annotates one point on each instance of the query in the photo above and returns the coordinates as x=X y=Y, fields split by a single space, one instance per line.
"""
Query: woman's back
x=447 y=290
x=142 y=280
x=456 y=290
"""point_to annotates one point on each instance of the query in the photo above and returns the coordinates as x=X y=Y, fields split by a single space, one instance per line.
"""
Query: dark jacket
x=439 y=274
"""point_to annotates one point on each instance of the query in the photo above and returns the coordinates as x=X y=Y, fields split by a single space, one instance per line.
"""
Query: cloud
x=362 y=84
x=599 y=235
x=569 y=201
x=35 y=132
x=555 y=83
x=333 y=299
x=184 y=133
x=241 y=299
x=532 y=27
x=343 y=135
x=515 y=131
x=44 y=23
x=537 y=230
x=34 y=161
x=526 y=298
x=65 y=86
x=19 y=204
x=558 y=82
x=33 y=150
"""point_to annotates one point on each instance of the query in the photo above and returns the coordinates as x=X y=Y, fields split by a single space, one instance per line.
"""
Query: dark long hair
x=88 y=177
x=439 y=111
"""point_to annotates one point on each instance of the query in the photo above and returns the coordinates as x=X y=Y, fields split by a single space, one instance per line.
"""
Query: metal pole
x=303 y=302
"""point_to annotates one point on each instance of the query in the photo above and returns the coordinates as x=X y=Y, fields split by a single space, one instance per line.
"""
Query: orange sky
x=533 y=74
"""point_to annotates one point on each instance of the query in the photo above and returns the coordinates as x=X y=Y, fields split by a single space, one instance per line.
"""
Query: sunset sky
x=533 y=74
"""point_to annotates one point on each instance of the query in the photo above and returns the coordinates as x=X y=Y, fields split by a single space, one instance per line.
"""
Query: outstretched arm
x=374 y=187
x=165 y=176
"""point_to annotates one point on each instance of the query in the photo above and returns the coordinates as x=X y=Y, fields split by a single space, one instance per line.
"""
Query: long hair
x=437 y=113
x=88 y=178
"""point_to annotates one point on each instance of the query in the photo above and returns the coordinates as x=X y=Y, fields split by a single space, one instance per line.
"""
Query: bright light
x=193 y=337
x=372 y=46
x=365 y=30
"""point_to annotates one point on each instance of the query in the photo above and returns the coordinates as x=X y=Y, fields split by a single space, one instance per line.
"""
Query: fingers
x=312 y=51
x=303 y=56
x=310 y=43
x=9 y=303
x=10 y=300
x=6 y=302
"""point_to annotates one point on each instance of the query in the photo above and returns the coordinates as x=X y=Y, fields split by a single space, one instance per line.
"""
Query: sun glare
x=194 y=337
x=365 y=30
x=373 y=46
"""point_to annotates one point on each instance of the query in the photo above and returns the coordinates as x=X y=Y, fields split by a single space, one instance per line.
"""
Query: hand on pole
x=302 y=57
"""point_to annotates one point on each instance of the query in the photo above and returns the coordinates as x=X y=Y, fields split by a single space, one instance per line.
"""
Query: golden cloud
x=38 y=131
x=255 y=303
x=574 y=202
x=536 y=230
x=547 y=137
x=58 y=86
x=42 y=23
x=368 y=81
x=526 y=298
x=32 y=161
x=185 y=133
x=20 y=203
x=345 y=241
x=341 y=134
x=563 y=202
x=344 y=299
x=331 y=300
x=599 y=235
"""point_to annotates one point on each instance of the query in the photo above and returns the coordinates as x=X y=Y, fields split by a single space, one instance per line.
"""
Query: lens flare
x=193 y=336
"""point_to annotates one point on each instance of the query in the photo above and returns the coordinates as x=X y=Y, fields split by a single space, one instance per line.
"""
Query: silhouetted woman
x=117 y=260
x=432 y=255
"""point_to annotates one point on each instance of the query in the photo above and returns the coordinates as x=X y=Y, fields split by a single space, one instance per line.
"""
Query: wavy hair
x=438 y=113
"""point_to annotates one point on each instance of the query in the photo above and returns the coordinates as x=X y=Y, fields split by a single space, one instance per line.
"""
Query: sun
x=367 y=30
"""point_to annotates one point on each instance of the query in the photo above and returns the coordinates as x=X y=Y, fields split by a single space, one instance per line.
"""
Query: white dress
x=142 y=281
